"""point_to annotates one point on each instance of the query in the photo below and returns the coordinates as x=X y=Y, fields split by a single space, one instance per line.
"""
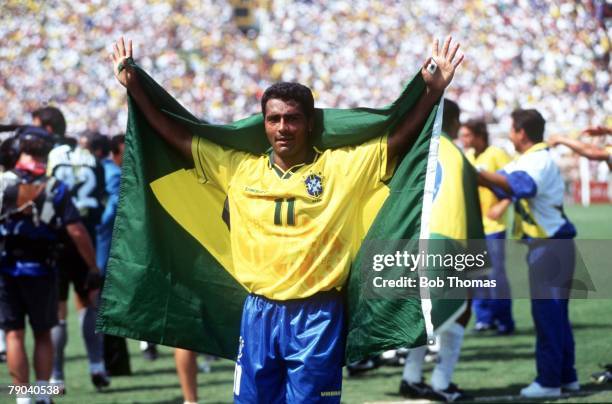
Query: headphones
x=11 y=147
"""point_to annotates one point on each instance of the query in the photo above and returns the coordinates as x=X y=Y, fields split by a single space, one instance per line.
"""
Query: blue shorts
x=291 y=351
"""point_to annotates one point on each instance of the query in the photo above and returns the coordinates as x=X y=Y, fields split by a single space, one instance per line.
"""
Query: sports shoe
x=392 y=358
x=60 y=383
x=431 y=356
x=570 y=387
x=100 y=380
x=535 y=390
x=451 y=394
x=150 y=352
x=480 y=327
x=602 y=377
x=415 y=390
x=361 y=366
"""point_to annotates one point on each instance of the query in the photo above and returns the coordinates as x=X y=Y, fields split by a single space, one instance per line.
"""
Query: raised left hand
x=447 y=62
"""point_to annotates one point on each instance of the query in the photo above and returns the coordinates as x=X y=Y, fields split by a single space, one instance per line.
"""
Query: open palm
x=120 y=54
x=447 y=62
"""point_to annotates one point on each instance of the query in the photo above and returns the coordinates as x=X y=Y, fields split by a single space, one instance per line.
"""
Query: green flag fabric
x=167 y=280
x=448 y=222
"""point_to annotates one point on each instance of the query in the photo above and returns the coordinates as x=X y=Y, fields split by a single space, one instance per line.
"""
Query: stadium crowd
x=553 y=56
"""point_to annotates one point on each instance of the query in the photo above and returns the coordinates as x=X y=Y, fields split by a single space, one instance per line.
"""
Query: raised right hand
x=120 y=54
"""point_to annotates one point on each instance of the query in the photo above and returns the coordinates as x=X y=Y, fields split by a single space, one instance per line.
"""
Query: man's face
x=515 y=137
x=467 y=138
x=118 y=158
x=287 y=127
x=84 y=142
x=37 y=122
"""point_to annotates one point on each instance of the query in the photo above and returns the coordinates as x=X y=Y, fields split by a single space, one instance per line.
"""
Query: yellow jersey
x=492 y=160
x=449 y=211
x=293 y=233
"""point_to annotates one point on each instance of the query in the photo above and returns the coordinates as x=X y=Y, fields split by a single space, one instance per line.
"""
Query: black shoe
x=361 y=366
x=504 y=329
x=451 y=394
x=415 y=390
x=47 y=401
x=504 y=333
x=100 y=380
x=602 y=377
x=150 y=353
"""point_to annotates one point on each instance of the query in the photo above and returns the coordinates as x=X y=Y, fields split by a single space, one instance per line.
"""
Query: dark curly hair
x=290 y=92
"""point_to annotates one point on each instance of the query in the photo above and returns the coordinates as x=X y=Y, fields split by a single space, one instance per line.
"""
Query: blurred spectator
x=51 y=119
x=116 y=355
x=554 y=56
x=112 y=175
x=28 y=276
x=100 y=147
x=84 y=177
x=492 y=306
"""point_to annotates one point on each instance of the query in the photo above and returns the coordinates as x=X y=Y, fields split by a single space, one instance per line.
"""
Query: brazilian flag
x=167 y=280
x=455 y=223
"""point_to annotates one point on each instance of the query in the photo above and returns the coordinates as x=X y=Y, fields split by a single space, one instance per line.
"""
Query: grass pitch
x=491 y=368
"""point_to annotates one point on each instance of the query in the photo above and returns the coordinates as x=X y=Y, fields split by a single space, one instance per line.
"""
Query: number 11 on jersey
x=278 y=211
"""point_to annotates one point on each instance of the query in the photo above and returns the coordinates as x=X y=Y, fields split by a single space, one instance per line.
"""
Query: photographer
x=34 y=210
x=75 y=166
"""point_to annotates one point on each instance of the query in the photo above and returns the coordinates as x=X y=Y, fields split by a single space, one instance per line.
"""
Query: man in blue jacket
x=34 y=210
x=535 y=185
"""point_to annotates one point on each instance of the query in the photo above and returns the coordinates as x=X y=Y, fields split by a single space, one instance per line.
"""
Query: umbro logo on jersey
x=253 y=190
x=314 y=185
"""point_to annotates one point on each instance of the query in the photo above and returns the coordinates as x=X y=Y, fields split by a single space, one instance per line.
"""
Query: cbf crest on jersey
x=314 y=184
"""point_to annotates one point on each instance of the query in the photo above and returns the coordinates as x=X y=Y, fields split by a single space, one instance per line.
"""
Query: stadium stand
x=554 y=57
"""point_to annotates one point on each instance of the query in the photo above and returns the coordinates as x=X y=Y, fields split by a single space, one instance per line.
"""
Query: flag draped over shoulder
x=454 y=224
x=440 y=207
x=167 y=279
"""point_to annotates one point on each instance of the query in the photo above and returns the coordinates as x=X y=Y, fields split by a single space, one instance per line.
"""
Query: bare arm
x=82 y=241
x=79 y=236
x=497 y=211
x=597 y=131
x=447 y=62
x=587 y=150
x=492 y=180
x=177 y=135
